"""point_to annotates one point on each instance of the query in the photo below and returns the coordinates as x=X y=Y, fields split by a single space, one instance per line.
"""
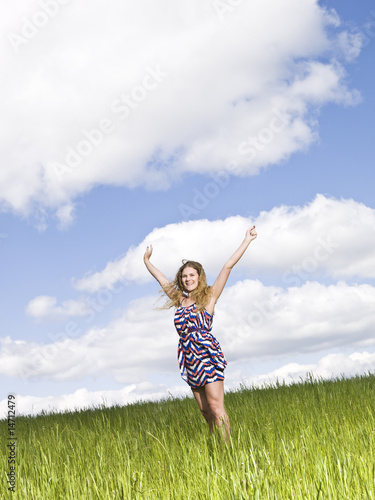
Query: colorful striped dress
x=200 y=357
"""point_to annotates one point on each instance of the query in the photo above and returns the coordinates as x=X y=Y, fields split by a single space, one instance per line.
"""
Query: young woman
x=200 y=357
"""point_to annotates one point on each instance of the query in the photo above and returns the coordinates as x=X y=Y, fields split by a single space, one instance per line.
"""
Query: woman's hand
x=158 y=275
x=251 y=234
x=148 y=253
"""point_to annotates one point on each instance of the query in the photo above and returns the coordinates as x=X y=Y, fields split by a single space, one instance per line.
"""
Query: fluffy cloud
x=333 y=365
x=82 y=398
x=129 y=348
x=252 y=321
x=327 y=236
x=123 y=99
x=261 y=322
x=328 y=367
x=44 y=306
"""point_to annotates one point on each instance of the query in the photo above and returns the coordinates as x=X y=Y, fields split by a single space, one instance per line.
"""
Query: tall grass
x=311 y=440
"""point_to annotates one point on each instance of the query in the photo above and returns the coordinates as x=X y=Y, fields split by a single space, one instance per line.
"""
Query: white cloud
x=252 y=321
x=168 y=57
x=328 y=367
x=45 y=306
x=331 y=366
x=142 y=336
x=259 y=322
x=82 y=399
x=65 y=215
x=351 y=44
x=327 y=236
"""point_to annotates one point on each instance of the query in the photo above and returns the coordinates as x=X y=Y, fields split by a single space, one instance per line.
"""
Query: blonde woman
x=200 y=357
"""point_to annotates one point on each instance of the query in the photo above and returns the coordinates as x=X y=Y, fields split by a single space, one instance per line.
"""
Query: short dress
x=200 y=357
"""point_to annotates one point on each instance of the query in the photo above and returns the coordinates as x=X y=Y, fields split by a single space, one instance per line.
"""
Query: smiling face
x=190 y=279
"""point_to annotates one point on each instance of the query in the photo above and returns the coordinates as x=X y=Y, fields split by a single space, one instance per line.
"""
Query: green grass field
x=312 y=440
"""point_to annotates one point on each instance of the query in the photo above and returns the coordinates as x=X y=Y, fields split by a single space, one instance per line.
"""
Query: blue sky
x=55 y=233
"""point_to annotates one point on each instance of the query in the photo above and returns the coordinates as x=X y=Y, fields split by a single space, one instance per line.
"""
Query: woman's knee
x=206 y=412
x=218 y=410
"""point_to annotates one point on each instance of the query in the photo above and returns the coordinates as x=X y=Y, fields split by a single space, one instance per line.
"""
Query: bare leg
x=200 y=397
x=210 y=399
x=215 y=399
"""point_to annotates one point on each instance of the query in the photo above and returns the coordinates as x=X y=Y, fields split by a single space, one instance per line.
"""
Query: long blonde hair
x=176 y=290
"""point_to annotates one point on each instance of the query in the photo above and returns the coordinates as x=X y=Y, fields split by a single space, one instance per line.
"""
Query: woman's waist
x=195 y=331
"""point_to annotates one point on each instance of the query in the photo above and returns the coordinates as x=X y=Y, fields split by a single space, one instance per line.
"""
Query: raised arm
x=158 y=275
x=221 y=280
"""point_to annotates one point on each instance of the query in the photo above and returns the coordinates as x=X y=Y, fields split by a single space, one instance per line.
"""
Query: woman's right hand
x=148 y=253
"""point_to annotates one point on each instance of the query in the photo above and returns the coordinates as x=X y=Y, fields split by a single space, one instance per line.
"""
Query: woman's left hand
x=251 y=233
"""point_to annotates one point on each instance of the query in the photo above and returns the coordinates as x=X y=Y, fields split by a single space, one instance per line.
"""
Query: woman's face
x=190 y=279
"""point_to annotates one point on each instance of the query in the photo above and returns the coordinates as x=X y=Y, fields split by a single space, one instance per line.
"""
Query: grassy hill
x=311 y=440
